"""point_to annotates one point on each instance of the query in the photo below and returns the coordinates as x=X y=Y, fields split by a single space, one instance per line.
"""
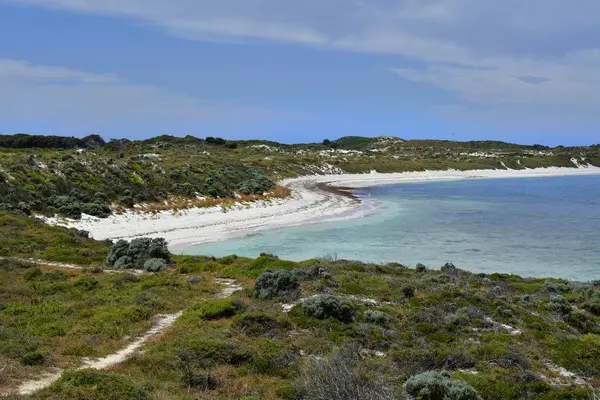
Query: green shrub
x=593 y=306
x=408 y=291
x=255 y=323
x=435 y=385
x=420 y=268
x=327 y=306
x=51 y=330
x=155 y=265
x=34 y=358
x=377 y=317
x=213 y=309
x=556 y=287
x=93 y=384
x=32 y=273
x=275 y=284
x=87 y=283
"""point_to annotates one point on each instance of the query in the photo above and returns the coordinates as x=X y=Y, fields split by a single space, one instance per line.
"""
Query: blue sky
x=521 y=71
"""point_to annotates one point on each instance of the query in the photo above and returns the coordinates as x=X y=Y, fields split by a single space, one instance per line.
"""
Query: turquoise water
x=528 y=226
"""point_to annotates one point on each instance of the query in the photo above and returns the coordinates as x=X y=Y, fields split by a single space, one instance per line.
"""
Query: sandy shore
x=311 y=202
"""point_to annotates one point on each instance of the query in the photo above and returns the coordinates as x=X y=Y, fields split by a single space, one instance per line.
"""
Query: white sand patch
x=308 y=204
x=567 y=378
x=231 y=286
x=37 y=261
x=510 y=329
x=367 y=301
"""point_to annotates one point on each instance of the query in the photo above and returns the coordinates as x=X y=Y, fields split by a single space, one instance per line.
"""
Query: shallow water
x=528 y=226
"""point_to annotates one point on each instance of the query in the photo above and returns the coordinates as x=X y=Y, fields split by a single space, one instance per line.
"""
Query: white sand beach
x=309 y=203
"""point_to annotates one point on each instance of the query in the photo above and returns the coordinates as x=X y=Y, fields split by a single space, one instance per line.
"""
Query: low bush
x=327 y=306
x=556 y=287
x=92 y=384
x=213 y=309
x=342 y=377
x=408 y=291
x=593 y=306
x=149 y=254
x=435 y=385
x=255 y=324
x=377 y=317
x=276 y=284
x=34 y=358
x=155 y=265
x=420 y=268
x=559 y=304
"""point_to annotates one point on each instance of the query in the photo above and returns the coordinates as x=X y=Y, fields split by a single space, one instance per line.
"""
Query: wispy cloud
x=91 y=101
x=542 y=54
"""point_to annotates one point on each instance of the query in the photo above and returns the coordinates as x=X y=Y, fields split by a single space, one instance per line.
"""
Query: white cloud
x=92 y=101
x=499 y=41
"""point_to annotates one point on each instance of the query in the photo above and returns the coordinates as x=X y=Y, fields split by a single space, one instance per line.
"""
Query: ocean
x=538 y=227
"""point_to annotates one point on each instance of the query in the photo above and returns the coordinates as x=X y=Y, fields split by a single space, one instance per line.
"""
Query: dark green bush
x=118 y=250
x=34 y=358
x=377 y=317
x=275 y=284
x=408 y=291
x=435 y=385
x=420 y=268
x=149 y=254
x=255 y=323
x=327 y=306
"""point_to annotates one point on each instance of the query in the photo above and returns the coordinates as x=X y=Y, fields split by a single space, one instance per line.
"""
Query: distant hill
x=68 y=176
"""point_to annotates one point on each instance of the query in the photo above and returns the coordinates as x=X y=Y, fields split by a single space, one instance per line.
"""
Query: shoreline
x=314 y=199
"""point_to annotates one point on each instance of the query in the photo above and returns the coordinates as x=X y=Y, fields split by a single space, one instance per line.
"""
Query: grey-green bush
x=377 y=317
x=273 y=284
x=124 y=255
x=434 y=385
x=327 y=306
x=342 y=376
x=124 y=262
x=117 y=251
x=155 y=265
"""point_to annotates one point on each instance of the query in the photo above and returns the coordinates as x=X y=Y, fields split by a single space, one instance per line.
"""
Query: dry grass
x=184 y=203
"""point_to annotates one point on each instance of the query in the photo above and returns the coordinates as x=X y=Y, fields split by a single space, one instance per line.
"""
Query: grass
x=51 y=317
x=404 y=322
x=26 y=237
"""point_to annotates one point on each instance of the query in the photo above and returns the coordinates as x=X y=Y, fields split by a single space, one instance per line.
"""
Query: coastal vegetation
x=318 y=329
x=69 y=176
